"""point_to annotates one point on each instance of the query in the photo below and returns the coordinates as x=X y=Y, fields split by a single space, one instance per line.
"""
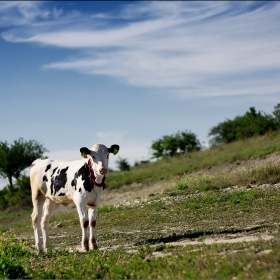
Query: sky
x=77 y=73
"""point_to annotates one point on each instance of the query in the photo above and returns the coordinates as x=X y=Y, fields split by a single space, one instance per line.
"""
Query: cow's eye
x=108 y=156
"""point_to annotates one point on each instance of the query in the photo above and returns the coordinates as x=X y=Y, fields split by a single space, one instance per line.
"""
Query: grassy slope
x=177 y=225
x=164 y=169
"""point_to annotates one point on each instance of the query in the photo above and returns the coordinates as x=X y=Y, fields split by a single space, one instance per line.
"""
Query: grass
x=129 y=236
x=191 y=232
x=268 y=174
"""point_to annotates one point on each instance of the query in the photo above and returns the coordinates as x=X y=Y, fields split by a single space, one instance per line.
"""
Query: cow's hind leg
x=48 y=208
x=83 y=216
x=38 y=200
x=92 y=223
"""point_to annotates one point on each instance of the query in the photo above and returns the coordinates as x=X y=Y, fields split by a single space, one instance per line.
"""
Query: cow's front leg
x=92 y=223
x=84 y=221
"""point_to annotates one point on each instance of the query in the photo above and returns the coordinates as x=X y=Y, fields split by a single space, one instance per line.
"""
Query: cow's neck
x=98 y=180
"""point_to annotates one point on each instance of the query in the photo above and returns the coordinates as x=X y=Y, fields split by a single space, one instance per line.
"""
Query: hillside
x=134 y=191
x=216 y=157
x=207 y=215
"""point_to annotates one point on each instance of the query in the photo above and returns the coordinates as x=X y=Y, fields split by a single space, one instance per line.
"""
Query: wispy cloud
x=187 y=49
x=19 y=13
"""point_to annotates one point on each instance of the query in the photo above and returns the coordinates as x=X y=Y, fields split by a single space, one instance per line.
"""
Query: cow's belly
x=60 y=199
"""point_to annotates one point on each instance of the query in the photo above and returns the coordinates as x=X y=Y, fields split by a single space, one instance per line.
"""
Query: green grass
x=139 y=232
x=209 y=262
x=268 y=174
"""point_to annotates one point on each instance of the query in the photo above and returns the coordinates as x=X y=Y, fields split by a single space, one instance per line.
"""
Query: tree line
x=252 y=123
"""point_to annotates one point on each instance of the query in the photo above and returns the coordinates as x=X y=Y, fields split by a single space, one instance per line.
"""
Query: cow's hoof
x=94 y=247
x=85 y=249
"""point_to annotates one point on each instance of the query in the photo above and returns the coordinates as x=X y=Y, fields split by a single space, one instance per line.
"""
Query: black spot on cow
x=48 y=167
x=80 y=190
x=86 y=223
x=84 y=172
x=59 y=181
x=61 y=194
x=74 y=181
x=53 y=171
x=45 y=179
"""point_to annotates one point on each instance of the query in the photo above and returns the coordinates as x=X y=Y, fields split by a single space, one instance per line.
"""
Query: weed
x=203 y=182
x=107 y=209
x=12 y=252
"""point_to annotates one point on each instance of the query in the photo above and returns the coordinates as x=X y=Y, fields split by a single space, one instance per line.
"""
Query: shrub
x=123 y=164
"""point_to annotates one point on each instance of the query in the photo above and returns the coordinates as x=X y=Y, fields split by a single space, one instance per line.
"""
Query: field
x=208 y=215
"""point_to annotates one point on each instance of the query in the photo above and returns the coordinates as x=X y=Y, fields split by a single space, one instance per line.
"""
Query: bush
x=123 y=164
x=17 y=198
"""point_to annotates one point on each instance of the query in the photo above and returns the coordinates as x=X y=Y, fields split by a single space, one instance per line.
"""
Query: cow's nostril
x=103 y=171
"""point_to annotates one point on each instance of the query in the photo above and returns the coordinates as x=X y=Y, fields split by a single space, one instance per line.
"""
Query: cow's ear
x=114 y=149
x=84 y=152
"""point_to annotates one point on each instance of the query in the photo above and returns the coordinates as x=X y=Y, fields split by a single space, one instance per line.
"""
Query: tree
x=188 y=142
x=182 y=142
x=123 y=164
x=252 y=123
x=18 y=156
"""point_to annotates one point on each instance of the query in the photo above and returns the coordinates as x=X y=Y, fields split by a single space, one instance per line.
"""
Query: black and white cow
x=81 y=182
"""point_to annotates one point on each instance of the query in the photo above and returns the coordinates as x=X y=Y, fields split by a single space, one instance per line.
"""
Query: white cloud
x=190 y=49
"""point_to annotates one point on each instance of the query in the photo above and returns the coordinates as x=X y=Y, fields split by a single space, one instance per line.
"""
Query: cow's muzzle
x=103 y=171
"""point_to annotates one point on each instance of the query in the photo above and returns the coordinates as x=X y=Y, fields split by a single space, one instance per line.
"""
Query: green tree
x=252 y=123
x=16 y=157
x=187 y=142
x=123 y=164
x=169 y=145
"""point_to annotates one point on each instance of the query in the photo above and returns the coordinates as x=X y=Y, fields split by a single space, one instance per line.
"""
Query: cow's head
x=100 y=157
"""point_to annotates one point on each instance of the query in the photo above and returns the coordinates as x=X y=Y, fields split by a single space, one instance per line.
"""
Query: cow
x=81 y=182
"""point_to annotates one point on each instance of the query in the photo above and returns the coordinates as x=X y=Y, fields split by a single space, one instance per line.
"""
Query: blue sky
x=77 y=73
